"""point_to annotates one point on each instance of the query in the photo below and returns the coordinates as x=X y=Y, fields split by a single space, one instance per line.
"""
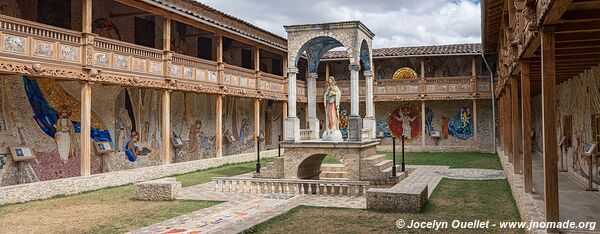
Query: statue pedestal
x=334 y=135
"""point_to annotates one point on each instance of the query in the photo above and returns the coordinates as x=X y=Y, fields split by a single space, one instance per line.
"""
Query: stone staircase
x=334 y=172
x=376 y=167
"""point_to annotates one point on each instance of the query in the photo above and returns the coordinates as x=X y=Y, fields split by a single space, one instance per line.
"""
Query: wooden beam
x=556 y=10
x=166 y=34
x=549 y=143
x=509 y=130
x=526 y=126
x=578 y=37
x=588 y=26
x=119 y=15
x=514 y=90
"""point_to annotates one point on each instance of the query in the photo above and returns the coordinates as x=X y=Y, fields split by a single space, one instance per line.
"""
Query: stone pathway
x=244 y=210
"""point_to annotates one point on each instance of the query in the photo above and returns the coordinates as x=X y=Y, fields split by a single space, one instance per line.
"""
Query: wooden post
x=422 y=68
x=257 y=67
x=549 y=143
x=475 y=119
x=219 y=126
x=423 y=122
x=86 y=16
x=515 y=124
x=500 y=121
x=166 y=34
x=256 y=121
x=220 y=64
x=165 y=130
x=327 y=72
x=509 y=131
x=526 y=126
x=86 y=125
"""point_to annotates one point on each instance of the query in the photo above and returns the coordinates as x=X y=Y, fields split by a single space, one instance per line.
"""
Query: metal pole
x=394 y=156
x=493 y=101
x=403 y=165
x=279 y=146
x=257 y=154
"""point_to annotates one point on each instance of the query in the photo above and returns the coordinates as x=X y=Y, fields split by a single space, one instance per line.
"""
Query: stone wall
x=580 y=103
x=68 y=186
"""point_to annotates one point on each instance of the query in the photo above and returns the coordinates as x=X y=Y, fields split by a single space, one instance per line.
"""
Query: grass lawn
x=451 y=200
x=110 y=210
x=454 y=160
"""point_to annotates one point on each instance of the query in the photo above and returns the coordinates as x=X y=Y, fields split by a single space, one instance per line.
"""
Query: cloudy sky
x=394 y=22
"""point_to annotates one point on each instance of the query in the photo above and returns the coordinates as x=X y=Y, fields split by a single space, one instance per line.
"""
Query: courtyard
x=114 y=210
x=328 y=116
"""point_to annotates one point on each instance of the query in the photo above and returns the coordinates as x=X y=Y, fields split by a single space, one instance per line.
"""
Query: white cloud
x=394 y=22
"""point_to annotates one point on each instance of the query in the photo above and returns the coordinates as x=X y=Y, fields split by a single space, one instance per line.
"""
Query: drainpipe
x=493 y=101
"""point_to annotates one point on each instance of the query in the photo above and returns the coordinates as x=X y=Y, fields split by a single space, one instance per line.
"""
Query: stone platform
x=302 y=160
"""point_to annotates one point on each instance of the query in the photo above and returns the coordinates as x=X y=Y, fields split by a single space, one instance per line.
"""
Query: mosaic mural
x=405 y=121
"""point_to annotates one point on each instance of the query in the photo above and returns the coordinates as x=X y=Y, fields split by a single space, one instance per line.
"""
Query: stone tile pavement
x=244 y=210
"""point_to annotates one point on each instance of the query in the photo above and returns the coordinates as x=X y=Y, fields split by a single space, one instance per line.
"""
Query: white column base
x=292 y=129
x=371 y=124
x=313 y=125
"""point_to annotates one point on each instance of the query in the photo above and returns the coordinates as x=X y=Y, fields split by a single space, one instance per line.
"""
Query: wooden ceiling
x=491 y=23
x=577 y=36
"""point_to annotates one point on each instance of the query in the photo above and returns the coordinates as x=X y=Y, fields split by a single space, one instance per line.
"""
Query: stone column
x=313 y=122
x=284 y=118
x=292 y=123
x=86 y=124
x=219 y=126
x=369 y=121
x=354 y=121
x=165 y=129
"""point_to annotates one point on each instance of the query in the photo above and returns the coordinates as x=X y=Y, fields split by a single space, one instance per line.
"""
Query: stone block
x=407 y=198
x=157 y=190
x=354 y=128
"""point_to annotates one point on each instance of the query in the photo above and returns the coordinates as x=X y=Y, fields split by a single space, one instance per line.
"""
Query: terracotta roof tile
x=415 y=51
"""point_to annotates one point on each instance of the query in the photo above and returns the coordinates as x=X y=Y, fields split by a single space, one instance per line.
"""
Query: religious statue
x=64 y=136
x=332 y=112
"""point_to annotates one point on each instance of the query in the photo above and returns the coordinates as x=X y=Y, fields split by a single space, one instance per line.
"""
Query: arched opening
x=310 y=168
x=365 y=56
x=315 y=48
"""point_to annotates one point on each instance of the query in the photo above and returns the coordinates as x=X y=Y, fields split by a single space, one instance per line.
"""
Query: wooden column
x=508 y=126
x=257 y=73
x=475 y=119
x=327 y=72
x=500 y=121
x=165 y=128
x=166 y=34
x=86 y=125
x=526 y=126
x=219 y=126
x=423 y=122
x=549 y=143
x=220 y=64
x=256 y=121
x=86 y=16
x=422 y=68
x=514 y=87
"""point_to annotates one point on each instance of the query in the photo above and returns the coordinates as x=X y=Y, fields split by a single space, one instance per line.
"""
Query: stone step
x=333 y=175
x=384 y=164
x=333 y=167
x=375 y=158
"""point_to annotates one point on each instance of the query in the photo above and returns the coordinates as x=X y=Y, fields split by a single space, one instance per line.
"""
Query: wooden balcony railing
x=60 y=52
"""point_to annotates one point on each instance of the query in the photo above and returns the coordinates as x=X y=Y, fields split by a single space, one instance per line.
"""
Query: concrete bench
x=405 y=198
x=157 y=190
